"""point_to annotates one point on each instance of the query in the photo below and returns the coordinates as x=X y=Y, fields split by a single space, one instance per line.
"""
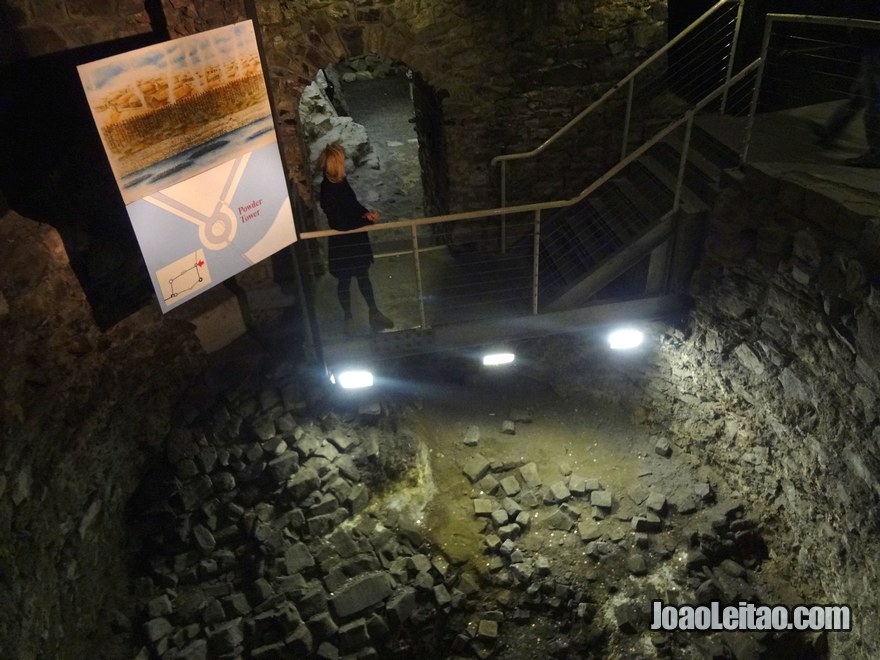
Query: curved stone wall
x=81 y=410
x=775 y=383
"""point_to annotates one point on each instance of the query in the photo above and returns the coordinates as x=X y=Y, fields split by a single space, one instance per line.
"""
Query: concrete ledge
x=216 y=315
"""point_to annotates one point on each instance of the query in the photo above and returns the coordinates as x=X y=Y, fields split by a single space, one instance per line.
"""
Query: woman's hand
x=371 y=216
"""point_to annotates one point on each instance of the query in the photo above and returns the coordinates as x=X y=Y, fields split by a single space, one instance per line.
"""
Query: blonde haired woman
x=349 y=256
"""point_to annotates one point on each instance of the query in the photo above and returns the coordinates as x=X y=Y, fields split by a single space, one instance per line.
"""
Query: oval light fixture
x=355 y=379
x=495 y=359
x=625 y=339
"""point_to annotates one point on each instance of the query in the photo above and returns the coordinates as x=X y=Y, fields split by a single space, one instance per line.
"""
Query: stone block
x=401 y=605
x=629 y=618
x=663 y=448
x=511 y=506
x=601 y=499
x=353 y=635
x=156 y=629
x=529 y=475
x=196 y=491
x=358 y=498
x=327 y=651
x=483 y=506
x=510 y=486
x=510 y=531
x=311 y=601
x=441 y=595
x=487 y=629
x=204 y=539
x=299 y=643
x=476 y=468
x=227 y=637
x=648 y=523
x=560 y=520
x=323 y=626
x=592 y=484
x=419 y=563
x=196 y=650
x=360 y=593
x=589 y=531
x=303 y=482
x=159 y=606
x=342 y=441
x=282 y=467
x=557 y=493
x=656 y=502
x=488 y=484
x=297 y=557
x=577 y=485
x=492 y=542
x=636 y=565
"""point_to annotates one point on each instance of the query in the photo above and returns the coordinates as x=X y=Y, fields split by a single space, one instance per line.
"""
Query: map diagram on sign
x=192 y=201
x=184 y=277
x=229 y=218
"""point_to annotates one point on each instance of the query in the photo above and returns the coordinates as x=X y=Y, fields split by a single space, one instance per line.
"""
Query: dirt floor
x=573 y=430
x=568 y=427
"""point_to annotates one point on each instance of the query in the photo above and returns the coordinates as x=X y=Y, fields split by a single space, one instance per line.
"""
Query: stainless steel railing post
x=732 y=57
x=753 y=106
x=629 y=103
x=682 y=162
x=503 y=205
x=535 y=263
x=415 y=249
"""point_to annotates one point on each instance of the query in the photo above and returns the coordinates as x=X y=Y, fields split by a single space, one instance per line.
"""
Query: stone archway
x=390 y=121
x=294 y=65
x=451 y=51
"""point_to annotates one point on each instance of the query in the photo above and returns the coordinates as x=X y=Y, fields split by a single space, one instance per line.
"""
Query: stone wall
x=81 y=410
x=40 y=27
x=508 y=74
x=775 y=382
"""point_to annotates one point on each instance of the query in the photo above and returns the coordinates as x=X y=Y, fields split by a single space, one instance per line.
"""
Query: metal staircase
x=617 y=239
x=602 y=237
x=622 y=248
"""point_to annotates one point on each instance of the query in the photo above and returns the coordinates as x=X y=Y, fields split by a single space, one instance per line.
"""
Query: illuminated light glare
x=354 y=379
x=494 y=359
x=625 y=339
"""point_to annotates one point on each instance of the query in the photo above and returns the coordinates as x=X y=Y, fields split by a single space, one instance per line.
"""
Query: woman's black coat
x=348 y=255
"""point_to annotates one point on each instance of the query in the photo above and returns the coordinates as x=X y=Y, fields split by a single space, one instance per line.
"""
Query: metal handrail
x=838 y=21
x=629 y=82
x=536 y=206
x=601 y=100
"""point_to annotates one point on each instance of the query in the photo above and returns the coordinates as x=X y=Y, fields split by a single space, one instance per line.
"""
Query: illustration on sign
x=188 y=130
